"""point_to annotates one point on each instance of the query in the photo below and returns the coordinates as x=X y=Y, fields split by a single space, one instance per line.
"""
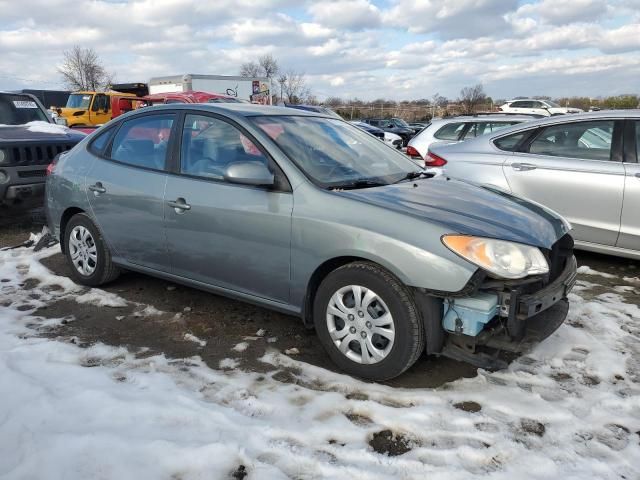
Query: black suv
x=394 y=125
x=29 y=141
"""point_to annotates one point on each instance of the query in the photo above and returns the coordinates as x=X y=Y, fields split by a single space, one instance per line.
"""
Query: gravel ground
x=184 y=318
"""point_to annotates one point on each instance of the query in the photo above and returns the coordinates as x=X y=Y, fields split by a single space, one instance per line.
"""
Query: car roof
x=528 y=99
x=572 y=117
x=491 y=116
x=239 y=109
x=481 y=118
x=484 y=141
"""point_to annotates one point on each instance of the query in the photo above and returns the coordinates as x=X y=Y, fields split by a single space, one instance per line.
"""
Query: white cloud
x=561 y=12
x=349 y=14
x=402 y=49
x=449 y=19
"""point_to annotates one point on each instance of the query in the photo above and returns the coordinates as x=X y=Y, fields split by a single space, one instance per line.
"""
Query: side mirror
x=249 y=173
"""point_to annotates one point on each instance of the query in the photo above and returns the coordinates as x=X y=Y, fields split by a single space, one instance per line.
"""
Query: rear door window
x=450 y=131
x=482 y=128
x=142 y=141
x=99 y=144
x=587 y=140
x=519 y=104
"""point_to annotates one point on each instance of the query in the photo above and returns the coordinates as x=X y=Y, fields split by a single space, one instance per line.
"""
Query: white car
x=457 y=129
x=534 y=106
x=393 y=140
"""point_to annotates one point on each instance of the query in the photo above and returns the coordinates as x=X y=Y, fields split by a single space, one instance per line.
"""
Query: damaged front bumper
x=524 y=319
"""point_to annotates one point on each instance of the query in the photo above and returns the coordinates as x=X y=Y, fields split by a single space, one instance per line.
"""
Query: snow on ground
x=570 y=409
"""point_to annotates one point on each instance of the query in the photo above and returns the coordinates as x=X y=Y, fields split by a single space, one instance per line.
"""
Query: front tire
x=367 y=321
x=87 y=254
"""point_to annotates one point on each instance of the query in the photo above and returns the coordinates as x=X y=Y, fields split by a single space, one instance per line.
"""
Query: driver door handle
x=180 y=205
x=97 y=188
x=523 y=167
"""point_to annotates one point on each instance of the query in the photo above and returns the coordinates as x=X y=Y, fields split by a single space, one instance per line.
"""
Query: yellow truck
x=85 y=109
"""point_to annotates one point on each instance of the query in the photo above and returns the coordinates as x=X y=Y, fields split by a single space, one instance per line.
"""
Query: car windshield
x=79 y=100
x=335 y=154
x=400 y=122
x=553 y=104
x=19 y=109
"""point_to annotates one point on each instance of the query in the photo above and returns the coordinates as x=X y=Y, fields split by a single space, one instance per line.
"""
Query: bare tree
x=268 y=65
x=471 y=97
x=439 y=101
x=82 y=70
x=294 y=87
x=250 y=69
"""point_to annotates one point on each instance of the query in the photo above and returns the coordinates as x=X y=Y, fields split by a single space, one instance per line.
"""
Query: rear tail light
x=434 y=160
x=412 y=152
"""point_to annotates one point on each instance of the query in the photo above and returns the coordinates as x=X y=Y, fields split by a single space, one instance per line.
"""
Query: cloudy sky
x=400 y=49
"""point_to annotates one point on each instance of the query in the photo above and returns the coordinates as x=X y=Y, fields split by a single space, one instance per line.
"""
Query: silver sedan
x=583 y=166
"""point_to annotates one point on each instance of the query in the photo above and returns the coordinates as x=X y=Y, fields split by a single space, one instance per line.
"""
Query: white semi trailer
x=251 y=89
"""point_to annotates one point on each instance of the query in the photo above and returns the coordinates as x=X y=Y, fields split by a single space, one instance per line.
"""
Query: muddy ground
x=231 y=329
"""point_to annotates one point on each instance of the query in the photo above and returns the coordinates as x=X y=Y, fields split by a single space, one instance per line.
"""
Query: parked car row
x=457 y=129
x=396 y=126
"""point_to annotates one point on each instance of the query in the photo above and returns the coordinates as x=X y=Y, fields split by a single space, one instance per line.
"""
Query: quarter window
x=587 y=140
x=450 y=131
x=142 y=141
x=210 y=145
x=510 y=142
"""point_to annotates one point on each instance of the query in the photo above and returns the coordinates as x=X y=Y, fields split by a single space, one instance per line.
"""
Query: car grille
x=34 y=153
x=32 y=173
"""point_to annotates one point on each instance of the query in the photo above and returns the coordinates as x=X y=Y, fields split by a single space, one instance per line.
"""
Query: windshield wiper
x=414 y=175
x=358 y=184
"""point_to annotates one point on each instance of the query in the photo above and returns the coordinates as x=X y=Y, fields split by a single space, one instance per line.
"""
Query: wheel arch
x=324 y=269
x=64 y=220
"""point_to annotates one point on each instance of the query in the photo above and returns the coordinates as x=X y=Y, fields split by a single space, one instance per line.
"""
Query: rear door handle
x=179 y=205
x=523 y=167
x=97 y=188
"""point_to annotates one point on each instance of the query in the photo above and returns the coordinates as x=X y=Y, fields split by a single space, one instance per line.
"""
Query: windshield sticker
x=24 y=104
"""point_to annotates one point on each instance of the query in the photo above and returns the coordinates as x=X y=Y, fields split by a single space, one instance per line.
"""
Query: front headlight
x=501 y=258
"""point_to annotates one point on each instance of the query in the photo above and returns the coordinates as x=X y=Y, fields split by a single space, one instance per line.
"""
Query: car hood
x=469 y=209
x=39 y=131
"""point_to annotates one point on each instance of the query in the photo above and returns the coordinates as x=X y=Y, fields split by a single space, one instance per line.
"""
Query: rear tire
x=87 y=254
x=385 y=321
